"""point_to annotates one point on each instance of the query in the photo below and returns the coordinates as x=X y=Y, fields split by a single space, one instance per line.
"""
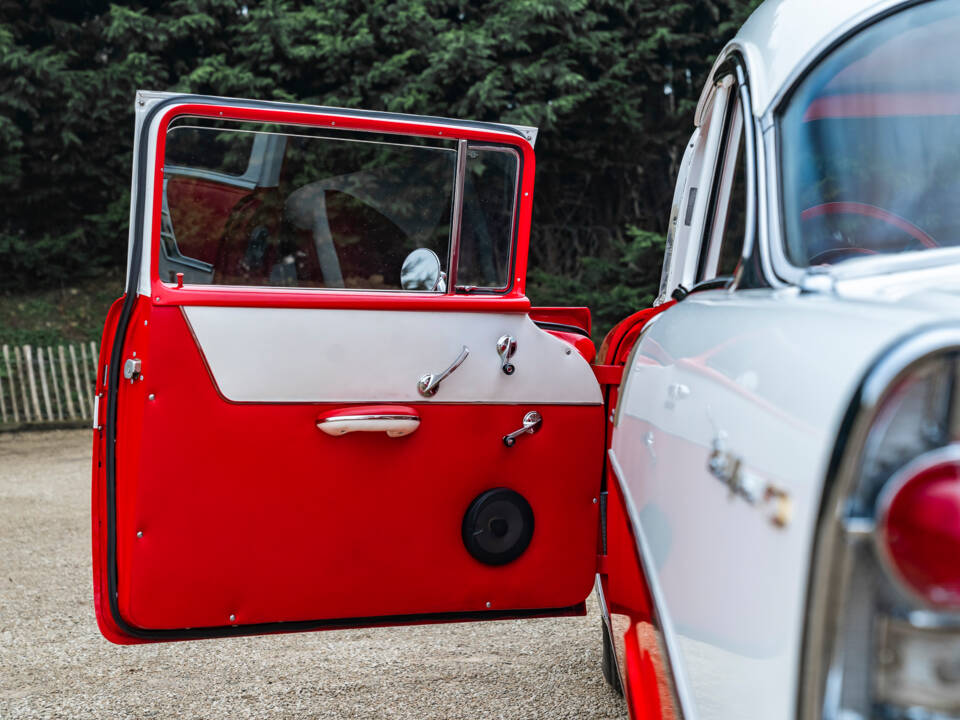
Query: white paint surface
x=774 y=372
x=324 y=355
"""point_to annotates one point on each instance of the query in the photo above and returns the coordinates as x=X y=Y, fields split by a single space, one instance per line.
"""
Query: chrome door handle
x=430 y=383
x=395 y=421
x=531 y=424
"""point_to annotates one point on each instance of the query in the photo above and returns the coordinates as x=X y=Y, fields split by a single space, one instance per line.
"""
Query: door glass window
x=249 y=204
x=489 y=199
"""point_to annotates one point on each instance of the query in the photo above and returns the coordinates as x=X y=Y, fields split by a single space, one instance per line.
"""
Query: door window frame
x=692 y=221
x=738 y=136
x=151 y=152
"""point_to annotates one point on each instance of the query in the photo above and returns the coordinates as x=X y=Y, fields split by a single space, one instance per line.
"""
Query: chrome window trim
x=724 y=180
x=782 y=268
x=671 y=653
x=818 y=684
x=146 y=133
x=750 y=154
x=753 y=156
x=716 y=126
x=456 y=217
x=514 y=225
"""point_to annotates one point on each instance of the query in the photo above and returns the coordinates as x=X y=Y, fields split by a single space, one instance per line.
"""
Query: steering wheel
x=864 y=210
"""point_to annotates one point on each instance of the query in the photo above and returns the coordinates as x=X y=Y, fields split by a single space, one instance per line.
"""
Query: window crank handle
x=430 y=383
x=506 y=347
x=531 y=424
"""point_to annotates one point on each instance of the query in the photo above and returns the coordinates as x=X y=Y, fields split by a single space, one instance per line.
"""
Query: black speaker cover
x=498 y=526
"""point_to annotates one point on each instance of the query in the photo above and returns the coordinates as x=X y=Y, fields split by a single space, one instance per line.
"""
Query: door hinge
x=608 y=374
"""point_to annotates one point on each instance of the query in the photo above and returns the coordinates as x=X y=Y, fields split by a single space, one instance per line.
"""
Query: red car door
x=304 y=437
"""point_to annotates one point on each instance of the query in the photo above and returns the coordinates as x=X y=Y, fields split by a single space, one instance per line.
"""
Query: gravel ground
x=55 y=664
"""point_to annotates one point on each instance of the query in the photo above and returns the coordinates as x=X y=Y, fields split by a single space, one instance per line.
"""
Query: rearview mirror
x=421 y=271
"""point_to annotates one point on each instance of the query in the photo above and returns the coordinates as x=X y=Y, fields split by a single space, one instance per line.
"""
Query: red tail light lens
x=919 y=531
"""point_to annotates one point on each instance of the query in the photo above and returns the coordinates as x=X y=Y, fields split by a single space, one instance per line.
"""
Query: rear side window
x=280 y=206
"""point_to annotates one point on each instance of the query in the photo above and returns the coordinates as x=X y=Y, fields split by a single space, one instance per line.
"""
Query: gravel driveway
x=55 y=664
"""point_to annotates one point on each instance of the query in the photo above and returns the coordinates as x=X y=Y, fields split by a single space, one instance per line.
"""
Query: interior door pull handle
x=393 y=420
x=430 y=383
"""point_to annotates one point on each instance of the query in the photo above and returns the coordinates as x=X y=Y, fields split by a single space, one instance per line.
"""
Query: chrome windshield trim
x=782 y=267
x=527 y=132
x=671 y=650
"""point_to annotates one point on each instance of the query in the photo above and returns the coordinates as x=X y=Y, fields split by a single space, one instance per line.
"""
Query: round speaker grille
x=498 y=526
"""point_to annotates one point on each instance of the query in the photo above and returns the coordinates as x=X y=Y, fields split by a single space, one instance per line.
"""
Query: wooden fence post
x=56 y=385
x=21 y=376
x=3 y=404
x=13 y=387
x=66 y=381
x=31 y=376
x=94 y=360
x=85 y=373
x=81 y=399
x=41 y=367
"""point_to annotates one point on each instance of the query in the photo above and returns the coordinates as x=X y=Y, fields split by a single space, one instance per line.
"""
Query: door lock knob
x=131 y=369
x=506 y=347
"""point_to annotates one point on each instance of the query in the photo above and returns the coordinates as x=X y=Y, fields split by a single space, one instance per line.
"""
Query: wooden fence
x=47 y=385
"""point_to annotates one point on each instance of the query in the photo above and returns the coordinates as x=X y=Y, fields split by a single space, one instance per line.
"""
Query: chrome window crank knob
x=531 y=424
x=506 y=347
x=430 y=383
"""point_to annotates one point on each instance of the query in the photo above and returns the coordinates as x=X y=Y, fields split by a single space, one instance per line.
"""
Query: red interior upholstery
x=248 y=510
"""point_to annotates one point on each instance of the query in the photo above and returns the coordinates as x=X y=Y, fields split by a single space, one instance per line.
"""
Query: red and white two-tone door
x=324 y=400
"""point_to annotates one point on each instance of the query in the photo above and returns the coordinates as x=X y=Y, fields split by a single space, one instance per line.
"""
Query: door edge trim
x=680 y=683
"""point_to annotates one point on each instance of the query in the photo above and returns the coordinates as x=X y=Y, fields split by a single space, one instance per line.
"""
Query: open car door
x=309 y=398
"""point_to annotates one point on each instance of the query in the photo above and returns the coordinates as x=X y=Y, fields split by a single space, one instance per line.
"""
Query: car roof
x=782 y=37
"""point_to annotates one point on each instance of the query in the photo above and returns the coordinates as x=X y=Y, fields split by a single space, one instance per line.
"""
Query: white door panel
x=299 y=355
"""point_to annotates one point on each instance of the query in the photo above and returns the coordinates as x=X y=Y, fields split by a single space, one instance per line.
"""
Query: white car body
x=731 y=586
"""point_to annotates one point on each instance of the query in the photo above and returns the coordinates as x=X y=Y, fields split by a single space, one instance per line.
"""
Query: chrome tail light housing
x=882 y=632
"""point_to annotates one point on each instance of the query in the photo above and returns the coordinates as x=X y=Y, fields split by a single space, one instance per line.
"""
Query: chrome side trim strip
x=680 y=684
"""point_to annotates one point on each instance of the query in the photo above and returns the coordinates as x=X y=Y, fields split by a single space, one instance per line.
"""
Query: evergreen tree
x=611 y=85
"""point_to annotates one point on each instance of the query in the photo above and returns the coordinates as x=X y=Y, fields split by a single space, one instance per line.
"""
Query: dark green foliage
x=625 y=279
x=612 y=86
